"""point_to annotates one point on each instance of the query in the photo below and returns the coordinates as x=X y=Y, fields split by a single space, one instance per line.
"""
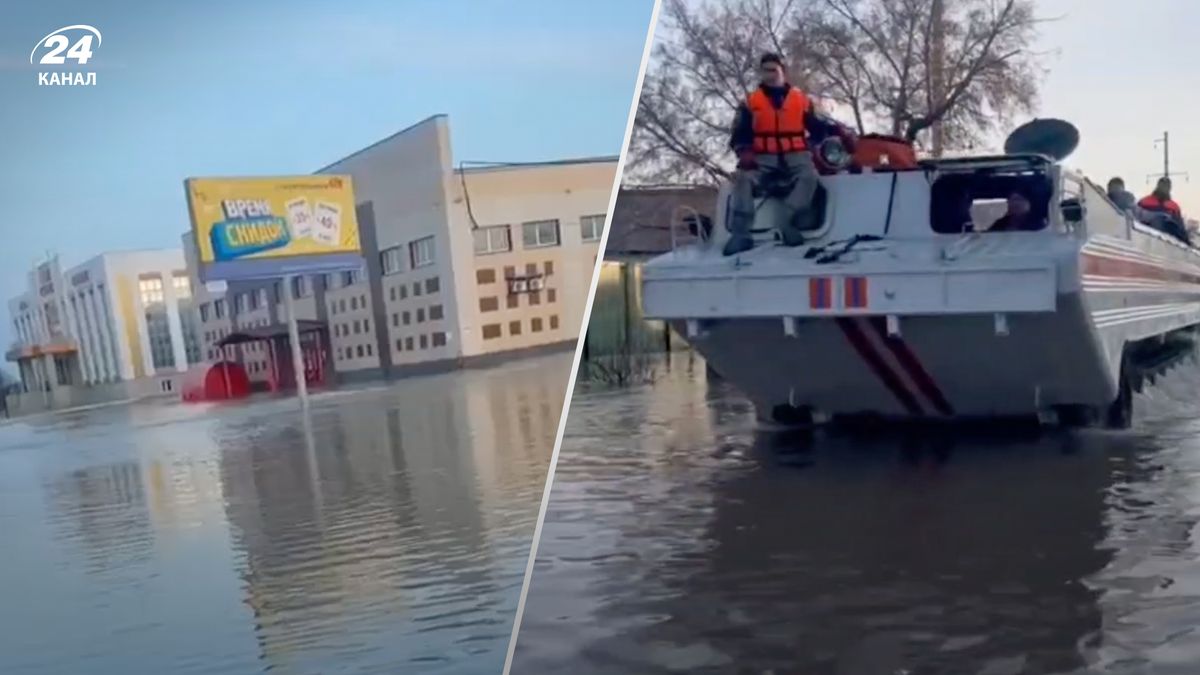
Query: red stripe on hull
x=912 y=365
x=875 y=362
x=1133 y=269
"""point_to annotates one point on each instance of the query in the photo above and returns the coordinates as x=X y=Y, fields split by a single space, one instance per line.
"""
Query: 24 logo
x=56 y=42
x=57 y=49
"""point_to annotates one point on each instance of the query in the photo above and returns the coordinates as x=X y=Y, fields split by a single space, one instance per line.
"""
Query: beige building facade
x=462 y=265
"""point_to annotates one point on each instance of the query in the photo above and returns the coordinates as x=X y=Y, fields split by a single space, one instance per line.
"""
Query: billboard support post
x=294 y=338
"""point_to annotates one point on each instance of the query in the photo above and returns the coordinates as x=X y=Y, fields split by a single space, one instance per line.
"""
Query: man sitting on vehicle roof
x=1163 y=213
x=770 y=132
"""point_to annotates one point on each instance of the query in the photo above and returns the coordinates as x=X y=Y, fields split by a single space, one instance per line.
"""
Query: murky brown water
x=680 y=538
x=181 y=539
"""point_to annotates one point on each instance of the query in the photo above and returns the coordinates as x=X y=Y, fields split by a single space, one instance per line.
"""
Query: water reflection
x=389 y=535
x=680 y=538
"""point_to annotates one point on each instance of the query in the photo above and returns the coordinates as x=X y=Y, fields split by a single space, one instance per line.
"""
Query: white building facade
x=119 y=324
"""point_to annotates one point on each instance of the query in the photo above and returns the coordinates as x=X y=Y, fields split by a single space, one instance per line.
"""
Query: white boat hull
x=926 y=326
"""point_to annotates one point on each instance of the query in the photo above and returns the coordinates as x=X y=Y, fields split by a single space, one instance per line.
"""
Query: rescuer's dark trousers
x=803 y=172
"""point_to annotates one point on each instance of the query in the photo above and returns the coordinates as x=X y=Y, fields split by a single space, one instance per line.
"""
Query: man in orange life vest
x=1160 y=200
x=769 y=132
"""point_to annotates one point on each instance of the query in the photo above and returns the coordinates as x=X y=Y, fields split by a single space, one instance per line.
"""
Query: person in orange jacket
x=771 y=131
x=1160 y=200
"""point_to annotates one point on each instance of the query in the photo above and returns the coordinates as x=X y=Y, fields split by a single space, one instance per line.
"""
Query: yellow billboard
x=249 y=228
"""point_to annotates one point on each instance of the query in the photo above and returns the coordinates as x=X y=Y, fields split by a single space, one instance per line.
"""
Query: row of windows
x=436 y=313
x=487 y=275
x=420 y=254
x=512 y=300
x=534 y=234
x=150 y=288
x=356 y=301
x=412 y=343
x=357 y=351
x=360 y=327
x=253 y=300
x=492 y=331
x=400 y=291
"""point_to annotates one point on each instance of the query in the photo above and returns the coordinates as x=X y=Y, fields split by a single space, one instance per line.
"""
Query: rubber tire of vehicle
x=1120 y=412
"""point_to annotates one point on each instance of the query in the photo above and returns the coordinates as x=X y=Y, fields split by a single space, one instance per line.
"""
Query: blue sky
x=271 y=87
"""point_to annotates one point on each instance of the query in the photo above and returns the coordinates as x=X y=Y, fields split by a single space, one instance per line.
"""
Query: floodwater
x=682 y=538
x=165 y=539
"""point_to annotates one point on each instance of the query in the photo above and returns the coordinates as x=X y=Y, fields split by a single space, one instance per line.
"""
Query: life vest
x=779 y=129
x=1151 y=202
x=886 y=153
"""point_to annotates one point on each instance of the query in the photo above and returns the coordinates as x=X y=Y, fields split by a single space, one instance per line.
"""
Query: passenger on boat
x=1160 y=200
x=1117 y=193
x=769 y=135
x=1019 y=216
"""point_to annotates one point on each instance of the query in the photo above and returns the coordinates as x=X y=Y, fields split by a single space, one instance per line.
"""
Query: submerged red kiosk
x=314 y=351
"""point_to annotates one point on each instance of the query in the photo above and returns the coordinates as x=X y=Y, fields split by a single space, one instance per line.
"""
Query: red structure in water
x=219 y=381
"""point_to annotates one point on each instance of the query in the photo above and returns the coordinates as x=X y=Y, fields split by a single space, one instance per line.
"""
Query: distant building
x=118 y=325
x=463 y=265
x=645 y=222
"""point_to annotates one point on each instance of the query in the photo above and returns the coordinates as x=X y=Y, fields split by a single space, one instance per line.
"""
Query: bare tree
x=876 y=61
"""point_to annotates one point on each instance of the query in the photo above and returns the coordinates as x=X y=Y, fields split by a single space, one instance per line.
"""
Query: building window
x=408 y=343
x=252 y=299
x=420 y=252
x=151 y=289
x=277 y=291
x=491 y=331
x=435 y=313
x=301 y=287
x=489 y=304
x=219 y=308
x=370 y=349
x=403 y=292
x=514 y=327
x=530 y=269
x=353 y=304
x=366 y=325
x=359 y=351
x=548 y=267
x=183 y=286
x=535 y=298
x=191 y=336
x=433 y=285
x=407 y=318
x=350 y=277
x=362 y=300
x=494 y=239
x=439 y=339
x=392 y=294
x=239 y=301
x=339 y=353
x=204 y=312
x=158 y=331
x=485 y=276
x=535 y=325
x=424 y=342
x=416 y=289
x=399 y=345
x=554 y=322
x=540 y=233
x=551 y=295
x=395 y=319
x=512 y=301
x=357 y=326
x=592 y=227
x=510 y=272
x=391 y=260
x=420 y=315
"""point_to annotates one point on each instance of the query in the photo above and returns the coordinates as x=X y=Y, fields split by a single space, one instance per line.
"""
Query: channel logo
x=62 y=47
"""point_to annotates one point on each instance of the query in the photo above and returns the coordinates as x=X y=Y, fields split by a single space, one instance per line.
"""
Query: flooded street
x=165 y=538
x=682 y=539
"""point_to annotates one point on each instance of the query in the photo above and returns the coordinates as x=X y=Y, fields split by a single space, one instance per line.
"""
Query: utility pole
x=1165 y=140
x=937 y=73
